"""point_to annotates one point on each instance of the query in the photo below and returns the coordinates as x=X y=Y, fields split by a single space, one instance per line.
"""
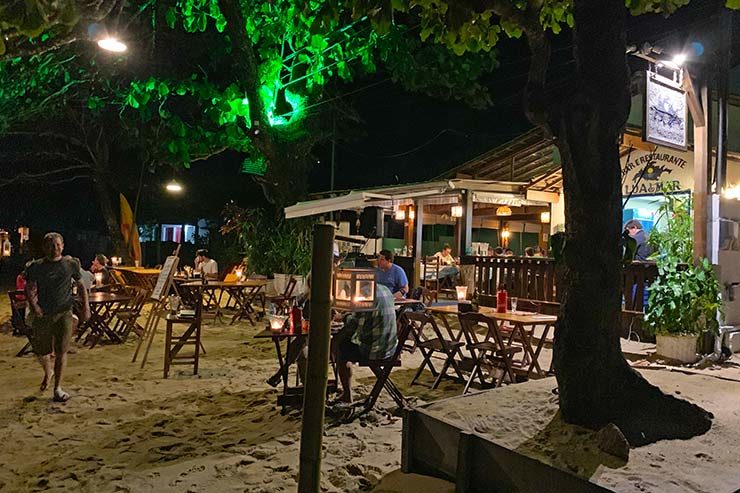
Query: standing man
x=634 y=229
x=49 y=292
x=391 y=276
x=205 y=264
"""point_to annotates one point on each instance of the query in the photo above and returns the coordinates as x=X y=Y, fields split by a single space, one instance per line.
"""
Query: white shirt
x=208 y=267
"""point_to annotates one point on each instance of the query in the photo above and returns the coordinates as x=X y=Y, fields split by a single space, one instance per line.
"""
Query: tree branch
x=23 y=177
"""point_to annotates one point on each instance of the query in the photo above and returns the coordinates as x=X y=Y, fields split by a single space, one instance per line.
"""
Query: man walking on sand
x=49 y=293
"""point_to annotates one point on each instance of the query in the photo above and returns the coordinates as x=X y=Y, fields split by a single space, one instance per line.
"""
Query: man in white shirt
x=205 y=265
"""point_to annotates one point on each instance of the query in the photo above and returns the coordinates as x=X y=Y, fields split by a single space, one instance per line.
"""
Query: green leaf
x=170 y=17
x=163 y=90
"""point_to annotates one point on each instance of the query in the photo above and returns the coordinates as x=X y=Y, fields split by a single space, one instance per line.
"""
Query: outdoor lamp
x=463 y=304
x=545 y=217
x=400 y=214
x=506 y=234
x=732 y=192
x=504 y=210
x=173 y=186
x=679 y=59
x=412 y=214
x=457 y=211
x=462 y=292
x=239 y=274
x=277 y=322
x=98 y=279
x=115 y=261
x=112 y=44
x=354 y=289
x=5 y=244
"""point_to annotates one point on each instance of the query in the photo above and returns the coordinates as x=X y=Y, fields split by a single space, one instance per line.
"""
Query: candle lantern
x=115 y=261
x=354 y=289
x=277 y=322
x=98 y=279
x=5 y=246
x=463 y=305
x=239 y=273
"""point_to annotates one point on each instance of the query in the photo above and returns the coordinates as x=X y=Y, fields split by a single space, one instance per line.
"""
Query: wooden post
x=312 y=426
x=417 y=241
x=702 y=159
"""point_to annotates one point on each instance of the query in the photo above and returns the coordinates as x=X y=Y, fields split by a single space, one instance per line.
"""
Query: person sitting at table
x=99 y=265
x=366 y=336
x=449 y=270
x=391 y=275
x=205 y=265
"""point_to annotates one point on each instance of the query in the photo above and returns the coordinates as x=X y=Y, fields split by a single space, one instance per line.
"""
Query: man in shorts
x=49 y=293
x=365 y=336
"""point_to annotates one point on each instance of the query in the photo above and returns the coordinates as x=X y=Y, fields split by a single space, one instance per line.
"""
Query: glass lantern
x=354 y=289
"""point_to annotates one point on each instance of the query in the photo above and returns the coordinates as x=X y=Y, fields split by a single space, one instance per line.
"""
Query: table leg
x=540 y=345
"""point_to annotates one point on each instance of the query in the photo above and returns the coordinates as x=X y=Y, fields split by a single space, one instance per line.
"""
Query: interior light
x=112 y=44
x=457 y=211
x=545 y=217
x=400 y=215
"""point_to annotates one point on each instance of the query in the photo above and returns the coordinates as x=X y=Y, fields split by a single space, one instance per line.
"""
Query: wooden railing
x=538 y=280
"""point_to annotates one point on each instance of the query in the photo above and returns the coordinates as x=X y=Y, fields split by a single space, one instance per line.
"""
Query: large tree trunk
x=108 y=211
x=596 y=384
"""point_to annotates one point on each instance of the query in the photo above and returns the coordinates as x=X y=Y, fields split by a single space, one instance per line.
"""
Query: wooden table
x=139 y=276
x=523 y=324
x=292 y=396
x=243 y=292
x=103 y=307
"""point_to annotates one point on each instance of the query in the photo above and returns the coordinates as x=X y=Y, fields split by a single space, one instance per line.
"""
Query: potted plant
x=685 y=300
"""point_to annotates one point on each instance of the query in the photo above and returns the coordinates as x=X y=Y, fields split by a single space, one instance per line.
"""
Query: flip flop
x=45 y=382
x=61 y=396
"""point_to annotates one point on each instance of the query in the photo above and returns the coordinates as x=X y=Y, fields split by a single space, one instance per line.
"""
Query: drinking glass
x=513 y=304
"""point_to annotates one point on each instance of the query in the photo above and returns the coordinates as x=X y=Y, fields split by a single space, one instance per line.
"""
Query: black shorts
x=349 y=351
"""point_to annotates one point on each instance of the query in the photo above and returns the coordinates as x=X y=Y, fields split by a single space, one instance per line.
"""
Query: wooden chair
x=127 y=317
x=18 y=307
x=431 y=346
x=174 y=342
x=490 y=351
x=282 y=301
x=430 y=276
x=382 y=371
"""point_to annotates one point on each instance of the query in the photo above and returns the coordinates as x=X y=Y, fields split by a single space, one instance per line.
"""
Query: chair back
x=470 y=324
x=17 y=303
x=290 y=287
x=403 y=328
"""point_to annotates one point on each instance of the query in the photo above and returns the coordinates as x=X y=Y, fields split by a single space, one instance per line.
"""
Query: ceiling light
x=545 y=217
x=504 y=210
x=457 y=211
x=400 y=215
x=112 y=44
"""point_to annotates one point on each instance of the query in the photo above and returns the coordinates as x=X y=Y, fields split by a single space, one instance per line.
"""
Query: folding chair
x=18 y=306
x=174 y=342
x=127 y=317
x=428 y=347
x=282 y=301
x=382 y=371
x=431 y=267
x=490 y=351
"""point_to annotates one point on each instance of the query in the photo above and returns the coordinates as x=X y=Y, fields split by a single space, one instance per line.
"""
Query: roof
x=527 y=157
x=438 y=191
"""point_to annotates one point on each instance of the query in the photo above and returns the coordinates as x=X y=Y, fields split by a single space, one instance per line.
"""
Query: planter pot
x=679 y=347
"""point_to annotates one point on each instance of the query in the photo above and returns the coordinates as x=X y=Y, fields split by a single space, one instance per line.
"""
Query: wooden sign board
x=165 y=278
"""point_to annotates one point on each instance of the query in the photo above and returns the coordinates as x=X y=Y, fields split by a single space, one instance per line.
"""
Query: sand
x=525 y=418
x=127 y=429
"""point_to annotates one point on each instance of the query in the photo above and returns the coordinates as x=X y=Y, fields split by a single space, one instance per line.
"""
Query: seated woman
x=446 y=259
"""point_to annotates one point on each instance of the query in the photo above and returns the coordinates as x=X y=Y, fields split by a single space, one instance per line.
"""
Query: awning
x=435 y=192
x=505 y=199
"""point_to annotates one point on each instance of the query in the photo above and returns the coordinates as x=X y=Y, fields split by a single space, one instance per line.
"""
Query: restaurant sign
x=665 y=112
x=649 y=173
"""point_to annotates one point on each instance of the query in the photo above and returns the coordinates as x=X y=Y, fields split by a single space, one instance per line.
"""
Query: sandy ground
x=128 y=429
x=525 y=418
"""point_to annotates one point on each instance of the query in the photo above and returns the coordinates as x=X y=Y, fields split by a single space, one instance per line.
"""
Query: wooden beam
x=692 y=98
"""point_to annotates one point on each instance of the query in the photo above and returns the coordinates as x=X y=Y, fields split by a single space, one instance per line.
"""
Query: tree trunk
x=596 y=384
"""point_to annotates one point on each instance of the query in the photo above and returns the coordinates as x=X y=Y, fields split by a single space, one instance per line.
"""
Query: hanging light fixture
x=457 y=211
x=400 y=214
x=412 y=213
x=504 y=210
x=545 y=217
x=112 y=44
x=506 y=234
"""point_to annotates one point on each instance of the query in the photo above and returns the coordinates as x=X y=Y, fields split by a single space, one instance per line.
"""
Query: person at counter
x=634 y=229
x=205 y=265
x=391 y=275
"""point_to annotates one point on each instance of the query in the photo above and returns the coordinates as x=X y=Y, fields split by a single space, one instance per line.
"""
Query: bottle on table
x=502 y=299
x=296 y=317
